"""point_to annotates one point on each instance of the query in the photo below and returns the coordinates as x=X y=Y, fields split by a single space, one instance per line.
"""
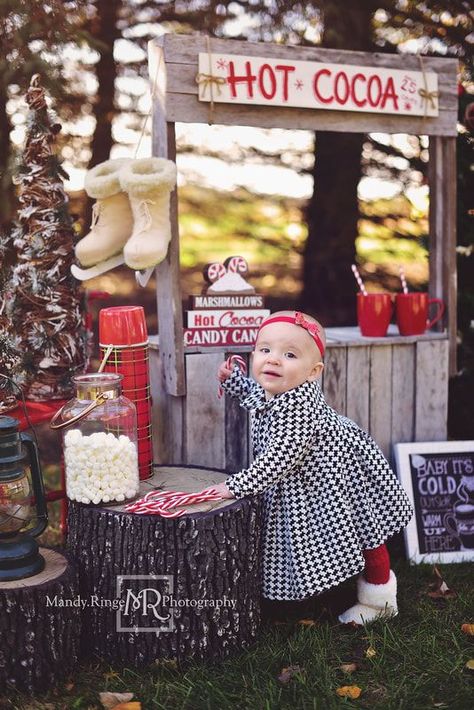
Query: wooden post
x=170 y=318
x=442 y=217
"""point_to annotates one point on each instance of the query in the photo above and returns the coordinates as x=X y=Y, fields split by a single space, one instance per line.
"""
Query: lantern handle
x=96 y=403
x=38 y=486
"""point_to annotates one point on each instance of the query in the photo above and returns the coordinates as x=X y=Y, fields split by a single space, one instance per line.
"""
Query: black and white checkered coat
x=328 y=491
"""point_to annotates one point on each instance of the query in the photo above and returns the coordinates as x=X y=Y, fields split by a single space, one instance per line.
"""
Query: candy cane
x=230 y=363
x=358 y=279
x=403 y=279
x=237 y=265
x=213 y=272
x=153 y=503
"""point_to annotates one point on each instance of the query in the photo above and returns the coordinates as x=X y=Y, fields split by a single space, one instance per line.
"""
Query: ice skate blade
x=101 y=268
x=143 y=277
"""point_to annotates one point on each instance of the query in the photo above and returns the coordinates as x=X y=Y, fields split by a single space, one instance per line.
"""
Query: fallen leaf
x=113 y=700
x=470 y=665
x=286 y=674
x=348 y=667
x=307 y=622
x=439 y=589
x=371 y=652
x=69 y=686
x=468 y=629
x=349 y=691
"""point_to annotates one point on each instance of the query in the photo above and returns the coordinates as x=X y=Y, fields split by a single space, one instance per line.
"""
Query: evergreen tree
x=46 y=305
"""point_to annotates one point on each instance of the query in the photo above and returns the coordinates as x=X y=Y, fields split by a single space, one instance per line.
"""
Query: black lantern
x=19 y=551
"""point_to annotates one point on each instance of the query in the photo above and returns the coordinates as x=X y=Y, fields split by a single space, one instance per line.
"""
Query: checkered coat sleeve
x=327 y=491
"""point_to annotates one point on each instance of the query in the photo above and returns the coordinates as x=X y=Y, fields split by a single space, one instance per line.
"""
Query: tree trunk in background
x=6 y=186
x=106 y=32
x=332 y=212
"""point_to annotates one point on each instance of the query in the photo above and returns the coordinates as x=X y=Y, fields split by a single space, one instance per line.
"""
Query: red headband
x=299 y=319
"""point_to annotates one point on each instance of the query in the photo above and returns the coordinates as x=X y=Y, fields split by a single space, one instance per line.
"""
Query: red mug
x=412 y=312
x=373 y=313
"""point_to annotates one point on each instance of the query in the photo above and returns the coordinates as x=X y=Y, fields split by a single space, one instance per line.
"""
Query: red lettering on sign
x=390 y=93
x=374 y=80
x=266 y=70
x=248 y=78
x=286 y=69
x=341 y=84
x=319 y=96
x=355 y=79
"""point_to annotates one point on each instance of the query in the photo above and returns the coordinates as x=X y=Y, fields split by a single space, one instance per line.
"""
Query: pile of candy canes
x=163 y=502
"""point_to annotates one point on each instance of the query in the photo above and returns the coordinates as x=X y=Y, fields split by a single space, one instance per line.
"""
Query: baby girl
x=330 y=498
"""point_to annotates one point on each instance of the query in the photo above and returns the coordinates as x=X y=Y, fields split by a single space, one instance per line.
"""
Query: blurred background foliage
x=92 y=56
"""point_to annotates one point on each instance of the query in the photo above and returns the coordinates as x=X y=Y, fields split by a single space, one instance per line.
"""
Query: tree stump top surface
x=55 y=565
x=189 y=479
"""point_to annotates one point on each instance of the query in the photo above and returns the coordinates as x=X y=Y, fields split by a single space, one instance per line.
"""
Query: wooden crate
x=396 y=388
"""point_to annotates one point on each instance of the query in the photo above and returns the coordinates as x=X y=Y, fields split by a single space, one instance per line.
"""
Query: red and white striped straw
x=358 y=279
x=403 y=279
x=229 y=363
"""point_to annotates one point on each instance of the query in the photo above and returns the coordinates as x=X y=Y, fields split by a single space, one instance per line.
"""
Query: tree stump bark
x=39 y=630
x=196 y=587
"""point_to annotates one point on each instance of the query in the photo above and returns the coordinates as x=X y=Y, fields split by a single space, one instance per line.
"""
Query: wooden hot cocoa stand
x=395 y=387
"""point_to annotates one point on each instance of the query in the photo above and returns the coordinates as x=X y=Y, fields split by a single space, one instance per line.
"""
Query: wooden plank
x=358 y=382
x=181 y=79
x=187 y=109
x=181 y=54
x=431 y=405
x=442 y=218
x=167 y=416
x=168 y=291
x=403 y=393
x=351 y=336
x=335 y=379
x=204 y=427
x=236 y=433
x=183 y=49
x=380 y=397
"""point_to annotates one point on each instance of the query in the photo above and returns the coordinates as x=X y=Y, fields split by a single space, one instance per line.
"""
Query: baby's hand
x=224 y=371
x=223 y=490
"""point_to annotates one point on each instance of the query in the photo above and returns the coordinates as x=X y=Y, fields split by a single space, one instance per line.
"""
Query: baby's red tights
x=377 y=565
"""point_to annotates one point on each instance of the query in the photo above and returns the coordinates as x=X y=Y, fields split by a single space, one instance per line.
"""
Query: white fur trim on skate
x=103 y=180
x=141 y=178
x=375 y=601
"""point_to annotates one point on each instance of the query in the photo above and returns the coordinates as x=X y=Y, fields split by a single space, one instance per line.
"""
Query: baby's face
x=285 y=357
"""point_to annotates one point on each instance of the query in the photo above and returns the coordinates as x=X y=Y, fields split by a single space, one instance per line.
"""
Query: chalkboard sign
x=439 y=478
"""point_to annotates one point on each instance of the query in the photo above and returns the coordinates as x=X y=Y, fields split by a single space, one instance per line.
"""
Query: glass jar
x=100 y=441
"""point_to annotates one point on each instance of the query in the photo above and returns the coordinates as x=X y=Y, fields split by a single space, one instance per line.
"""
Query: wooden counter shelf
x=394 y=387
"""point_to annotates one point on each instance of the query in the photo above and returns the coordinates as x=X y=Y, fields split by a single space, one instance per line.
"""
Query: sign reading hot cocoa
x=226 y=78
x=439 y=478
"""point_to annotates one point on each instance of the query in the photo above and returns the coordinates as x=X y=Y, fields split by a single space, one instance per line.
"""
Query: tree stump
x=39 y=633
x=196 y=579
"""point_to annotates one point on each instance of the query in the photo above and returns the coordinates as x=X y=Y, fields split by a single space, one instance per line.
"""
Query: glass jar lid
x=91 y=385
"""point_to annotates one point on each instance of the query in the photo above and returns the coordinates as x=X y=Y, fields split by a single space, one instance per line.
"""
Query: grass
x=419 y=663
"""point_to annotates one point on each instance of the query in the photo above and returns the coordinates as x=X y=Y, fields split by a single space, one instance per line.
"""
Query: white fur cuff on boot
x=374 y=601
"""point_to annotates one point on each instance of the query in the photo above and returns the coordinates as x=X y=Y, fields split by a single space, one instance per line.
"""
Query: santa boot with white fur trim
x=376 y=589
x=148 y=183
x=375 y=601
x=112 y=220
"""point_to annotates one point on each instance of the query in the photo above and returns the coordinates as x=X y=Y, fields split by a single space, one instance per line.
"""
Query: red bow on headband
x=300 y=320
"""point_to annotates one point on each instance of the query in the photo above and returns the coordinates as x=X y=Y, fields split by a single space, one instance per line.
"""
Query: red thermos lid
x=122 y=325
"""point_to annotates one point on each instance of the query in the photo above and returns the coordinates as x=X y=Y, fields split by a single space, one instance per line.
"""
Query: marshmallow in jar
x=100 y=441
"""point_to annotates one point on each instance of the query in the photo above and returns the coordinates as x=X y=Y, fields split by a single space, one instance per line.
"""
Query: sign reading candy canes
x=226 y=78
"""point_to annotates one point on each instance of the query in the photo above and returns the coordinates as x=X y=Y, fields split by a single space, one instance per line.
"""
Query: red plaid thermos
x=123 y=341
